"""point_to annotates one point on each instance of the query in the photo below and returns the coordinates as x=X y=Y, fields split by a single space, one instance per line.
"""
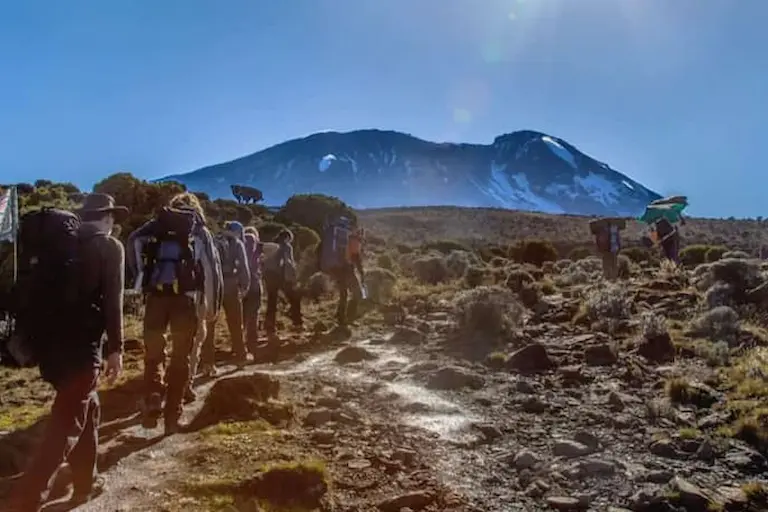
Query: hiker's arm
x=244 y=272
x=114 y=282
x=204 y=241
x=135 y=244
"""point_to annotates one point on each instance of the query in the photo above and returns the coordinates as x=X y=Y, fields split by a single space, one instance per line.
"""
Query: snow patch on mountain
x=517 y=195
x=599 y=188
x=559 y=150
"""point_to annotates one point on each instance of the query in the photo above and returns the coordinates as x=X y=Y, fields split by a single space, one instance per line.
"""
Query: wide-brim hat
x=103 y=203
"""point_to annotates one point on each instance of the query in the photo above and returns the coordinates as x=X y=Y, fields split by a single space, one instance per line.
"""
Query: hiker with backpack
x=339 y=255
x=68 y=294
x=237 y=280
x=607 y=232
x=280 y=276
x=173 y=257
x=252 y=300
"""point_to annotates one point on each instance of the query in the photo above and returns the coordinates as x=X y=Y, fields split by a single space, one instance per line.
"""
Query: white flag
x=9 y=215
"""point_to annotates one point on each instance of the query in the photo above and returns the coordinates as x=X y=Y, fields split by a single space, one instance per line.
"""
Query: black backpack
x=169 y=258
x=48 y=293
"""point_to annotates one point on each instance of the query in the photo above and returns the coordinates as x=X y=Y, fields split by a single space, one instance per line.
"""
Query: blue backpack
x=170 y=264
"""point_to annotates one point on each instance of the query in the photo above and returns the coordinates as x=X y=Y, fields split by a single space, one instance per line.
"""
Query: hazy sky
x=670 y=92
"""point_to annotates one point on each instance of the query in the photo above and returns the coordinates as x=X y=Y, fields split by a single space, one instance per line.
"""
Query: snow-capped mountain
x=524 y=170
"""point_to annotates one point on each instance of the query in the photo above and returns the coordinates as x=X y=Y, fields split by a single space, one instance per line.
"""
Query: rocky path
x=569 y=423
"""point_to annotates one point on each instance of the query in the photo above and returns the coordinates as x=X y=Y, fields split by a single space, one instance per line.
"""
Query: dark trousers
x=251 y=307
x=71 y=435
x=275 y=284
x=671 y=248
x=233 y=312
x=347 y=283
x=180 y=313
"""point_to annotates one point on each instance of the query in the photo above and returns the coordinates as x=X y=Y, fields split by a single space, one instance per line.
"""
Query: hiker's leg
x=66 y=425
x=233 y=310
x=208 y=350
x=183 y=330
x=294 y=301
x=194 y=359
x=156 y=319
x=342 y=286
x=273 y=288
x=251 y=306
x=83 y=458
x=353 y=285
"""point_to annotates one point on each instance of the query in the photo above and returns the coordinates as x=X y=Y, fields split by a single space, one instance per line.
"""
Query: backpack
x=169 y=258
x=48 y=290
x=227 y=245
x=334 y=253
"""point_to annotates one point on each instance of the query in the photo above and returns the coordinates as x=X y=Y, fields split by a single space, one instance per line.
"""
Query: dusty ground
x=551 y=390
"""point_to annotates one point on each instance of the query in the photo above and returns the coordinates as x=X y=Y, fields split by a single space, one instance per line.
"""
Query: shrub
x=445 y=246
x=498 y=262
x=318 y=286
x=608 y=302
x=312 y=210
x=741 y=255
x=380 y=283
x=694 y=255
x=305 y=238
x=459 y=261
x=639 y=254
x=625 y=266
x=431 y=269
x=474 y=276
x=720 y=323
x=530 y=295
x=579 y=253
x=715 y=253
x=516 y=279
x=488 y=309
x=535 y=252
x=268 y=231
x=653 y=325
x=385 y=261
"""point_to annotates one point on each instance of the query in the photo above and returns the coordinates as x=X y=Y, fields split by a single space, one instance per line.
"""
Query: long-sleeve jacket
x=104 y=259
x=240 y=277
x=204 y=253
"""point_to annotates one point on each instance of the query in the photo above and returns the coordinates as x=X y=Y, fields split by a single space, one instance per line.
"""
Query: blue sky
x=672 y=93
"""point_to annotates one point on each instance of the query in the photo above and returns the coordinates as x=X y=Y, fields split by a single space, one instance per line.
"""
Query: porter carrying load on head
x=663 y=216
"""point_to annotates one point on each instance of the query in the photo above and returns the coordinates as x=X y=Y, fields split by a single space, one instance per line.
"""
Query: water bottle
x=363 y=291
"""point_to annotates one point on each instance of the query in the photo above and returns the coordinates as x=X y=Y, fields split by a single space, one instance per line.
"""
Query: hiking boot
x=172 y=426
x=208 y=370
x=152 y=409
x=81 y=496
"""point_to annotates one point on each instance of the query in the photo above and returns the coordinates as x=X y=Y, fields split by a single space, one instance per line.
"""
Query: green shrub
x=579 y=253
x=694 y=255
x=715 y=253
x=535 y=252
x=639 y=254
x=312 y=210
x=474 y=276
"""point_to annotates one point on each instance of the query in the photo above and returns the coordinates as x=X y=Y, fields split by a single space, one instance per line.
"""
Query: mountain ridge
x=373 y=168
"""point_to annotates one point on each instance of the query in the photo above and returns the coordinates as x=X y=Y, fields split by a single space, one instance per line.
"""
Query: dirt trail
x=395 y=413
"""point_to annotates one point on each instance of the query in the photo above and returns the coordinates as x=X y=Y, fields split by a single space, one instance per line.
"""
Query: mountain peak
x=369 y=168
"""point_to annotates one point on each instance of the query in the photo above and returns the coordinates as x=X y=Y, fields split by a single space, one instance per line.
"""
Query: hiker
x=669 y=237
x=607 y=233
x=63 y=311
x=252 y=301
x=173 y=254
x=280 y=275
x=237 y=279
x=339 y=255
